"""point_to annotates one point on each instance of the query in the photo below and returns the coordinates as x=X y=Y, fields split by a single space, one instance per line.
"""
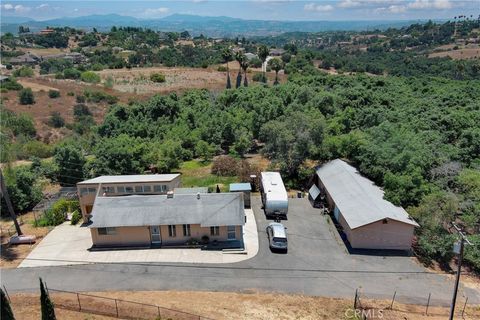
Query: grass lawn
x=196 y=173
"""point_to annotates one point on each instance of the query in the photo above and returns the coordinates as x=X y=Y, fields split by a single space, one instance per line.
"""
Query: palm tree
x=227 y=56
x=263 y=52
x=240 y=57
x=7 y=313
x=277 y=65
x=48 y=311
x=245 y=64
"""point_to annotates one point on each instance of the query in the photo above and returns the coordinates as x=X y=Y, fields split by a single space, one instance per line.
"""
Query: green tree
x=23 y=188
x=70 y=162
x=204 y=150
x=56 y=120
x=48 y=310
x=25 y=96
x=227 y=56
x=245 y=64
x=240 y=58
x=90 y=77
x=263 y=52
x=277 y=65
x=243 y=142
x=7 y=313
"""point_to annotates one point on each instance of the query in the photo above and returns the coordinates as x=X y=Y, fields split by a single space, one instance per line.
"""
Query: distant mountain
x=195 y=25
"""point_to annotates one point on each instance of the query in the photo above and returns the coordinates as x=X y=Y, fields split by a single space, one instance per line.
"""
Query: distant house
x=250 y=56
x=25 y=59
x=46 y=31
x=276 y=52
x=163 y=220
x=74 y=57
x=368 y=220
x=123 y=185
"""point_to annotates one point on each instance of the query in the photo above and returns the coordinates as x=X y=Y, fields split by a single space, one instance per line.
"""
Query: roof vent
x=198 y=195
x=170 y=195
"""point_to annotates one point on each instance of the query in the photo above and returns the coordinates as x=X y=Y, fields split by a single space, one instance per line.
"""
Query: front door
x=155 y=235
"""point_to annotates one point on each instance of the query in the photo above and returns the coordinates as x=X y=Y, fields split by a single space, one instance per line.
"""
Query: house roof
x=209 y=209
x=190 y=190
x=237 y=187
x=132 y=178
x=359 y=200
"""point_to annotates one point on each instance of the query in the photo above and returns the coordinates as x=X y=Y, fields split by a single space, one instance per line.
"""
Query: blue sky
x=250 y=9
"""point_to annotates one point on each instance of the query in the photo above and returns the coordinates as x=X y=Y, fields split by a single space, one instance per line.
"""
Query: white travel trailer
x=274 y=195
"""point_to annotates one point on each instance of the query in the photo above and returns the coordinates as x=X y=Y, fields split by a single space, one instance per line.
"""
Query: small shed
x=246 y=188
x=190 y=190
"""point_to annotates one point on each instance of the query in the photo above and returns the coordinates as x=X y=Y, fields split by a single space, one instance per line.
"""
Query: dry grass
x=12 y=255
x=230 y=305
x=44 y=52
x=36 y=87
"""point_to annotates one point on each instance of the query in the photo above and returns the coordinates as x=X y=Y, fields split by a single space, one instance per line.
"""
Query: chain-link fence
x=116 y=307
x=373 y=306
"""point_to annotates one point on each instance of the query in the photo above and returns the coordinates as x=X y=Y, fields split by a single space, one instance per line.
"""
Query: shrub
x=23 y=72
x=157 y=77
x=76 y=217
x=56 y=120
x=99 y=96
x=225 y=166
x=53 y=94
x=205 y=239
x=25 y=96
x=90 y=77
x=11 y=84
x=97 y=67
x=259 y=77
x=221 y=69
x=204 y=64
x=80 y=99
x=80 y=110
x=72 y=73
x=35 y=148
x=70 y=93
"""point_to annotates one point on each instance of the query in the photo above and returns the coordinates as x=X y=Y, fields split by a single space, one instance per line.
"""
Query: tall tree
x=227 y=57
x=245 y=64
x=6 y=310
x=263 y=52
x=70 y=162
x=277 y=65
x=48 y=310
x=240 y=57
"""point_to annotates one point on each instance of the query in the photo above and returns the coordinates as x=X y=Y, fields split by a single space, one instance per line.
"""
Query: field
x=471 y=51
x=196 y=173
x=246 y=305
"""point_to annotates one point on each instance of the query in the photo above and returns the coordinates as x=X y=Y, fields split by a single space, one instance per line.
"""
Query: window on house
x=164 y=188
x=107 y=231
x=231 y=234
x=83 y=191
x=92 y=190
x=157 y=188
x=186 y=230
x=138 y=189
x=129 y=189
x=147 y=189
x=172 y=231
x=121 y=189
x=109 y=189
x=214 y=231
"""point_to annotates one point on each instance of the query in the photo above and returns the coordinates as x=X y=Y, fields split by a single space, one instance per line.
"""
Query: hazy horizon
x=280 y=10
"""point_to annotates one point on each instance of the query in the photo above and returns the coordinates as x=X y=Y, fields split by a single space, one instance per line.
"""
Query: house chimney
x=170 y=195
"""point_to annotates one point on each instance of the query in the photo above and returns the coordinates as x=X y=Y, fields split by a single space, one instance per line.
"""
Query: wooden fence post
x=428 y=303
x=393 y=300
x=79 y=305
x=464 y=306
x=159 y=314
x=116 y=306
x=355 y=301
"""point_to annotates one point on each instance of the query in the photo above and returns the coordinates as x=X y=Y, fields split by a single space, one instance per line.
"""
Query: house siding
x=140 y=236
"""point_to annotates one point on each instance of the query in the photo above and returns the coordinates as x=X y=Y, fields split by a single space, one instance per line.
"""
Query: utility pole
x=5 y=195
x=459 y=269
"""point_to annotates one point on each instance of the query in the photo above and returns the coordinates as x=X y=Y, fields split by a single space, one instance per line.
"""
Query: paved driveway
x=68 y=245
x=316 y=264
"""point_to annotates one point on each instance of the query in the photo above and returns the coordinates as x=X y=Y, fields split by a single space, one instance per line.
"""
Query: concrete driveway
x=68 y=245
x=316 y=264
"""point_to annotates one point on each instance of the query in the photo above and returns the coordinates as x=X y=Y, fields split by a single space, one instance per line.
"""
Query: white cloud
x=7 y=6
x=156 y=11
x=349 y=4
x=365 y=3
x=317 y=7
x=430 y=4
x=43 y=5
x=397 y=9
x=21 y=9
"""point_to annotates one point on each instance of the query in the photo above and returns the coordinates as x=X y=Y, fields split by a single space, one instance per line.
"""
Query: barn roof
x=359 y=200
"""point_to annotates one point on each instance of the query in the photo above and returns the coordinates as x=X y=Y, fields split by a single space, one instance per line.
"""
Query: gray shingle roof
x=132 y=178
x=211 y=209
x=359 y=200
